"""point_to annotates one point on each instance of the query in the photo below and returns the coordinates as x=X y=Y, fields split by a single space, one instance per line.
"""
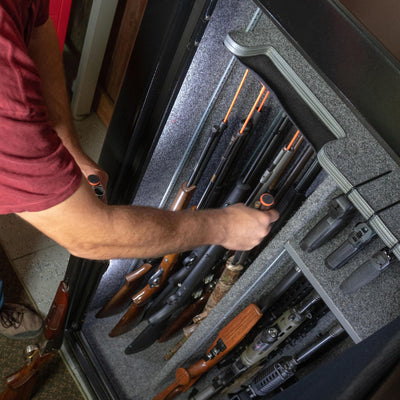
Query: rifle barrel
x=229 y=155
x=211 y=144
x=273 y=138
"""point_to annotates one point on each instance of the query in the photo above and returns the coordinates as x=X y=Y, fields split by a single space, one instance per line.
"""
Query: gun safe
x=332 y=71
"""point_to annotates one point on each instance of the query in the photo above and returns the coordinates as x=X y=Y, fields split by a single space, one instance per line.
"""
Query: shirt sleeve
x=36 y=170
x=43 y=12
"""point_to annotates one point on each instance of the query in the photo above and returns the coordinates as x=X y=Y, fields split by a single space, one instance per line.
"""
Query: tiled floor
x=39 y=262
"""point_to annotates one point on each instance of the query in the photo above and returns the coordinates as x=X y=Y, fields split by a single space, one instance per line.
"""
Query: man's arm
x=91 y=229
x=45 y=52
x=88 y=228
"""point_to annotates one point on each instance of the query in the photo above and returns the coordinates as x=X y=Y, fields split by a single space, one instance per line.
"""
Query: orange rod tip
x=252 y=110
x=262 y=103
x=236 y=95
x=293 y=140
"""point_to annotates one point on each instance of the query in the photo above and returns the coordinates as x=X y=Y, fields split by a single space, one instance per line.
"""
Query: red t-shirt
x=36 y=170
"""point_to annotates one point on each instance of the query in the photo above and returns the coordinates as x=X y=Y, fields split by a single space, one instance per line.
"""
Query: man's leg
x=18 y=321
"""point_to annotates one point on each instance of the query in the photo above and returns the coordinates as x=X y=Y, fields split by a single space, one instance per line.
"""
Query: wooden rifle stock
x=132 y=281
x=129 y=319
x=229 y=336
x=20 y=384
x=54 y=321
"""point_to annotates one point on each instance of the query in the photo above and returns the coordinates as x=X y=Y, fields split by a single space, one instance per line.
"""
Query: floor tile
x=91 y=132
x=19 y=238
x=41 y=273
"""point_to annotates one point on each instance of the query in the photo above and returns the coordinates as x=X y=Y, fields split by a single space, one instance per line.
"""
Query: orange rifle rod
x=236 y=95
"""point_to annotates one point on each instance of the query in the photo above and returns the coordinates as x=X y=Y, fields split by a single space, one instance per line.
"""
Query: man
x=43 y=169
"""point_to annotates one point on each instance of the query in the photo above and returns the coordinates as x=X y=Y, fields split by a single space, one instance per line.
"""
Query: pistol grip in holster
x=339 y=214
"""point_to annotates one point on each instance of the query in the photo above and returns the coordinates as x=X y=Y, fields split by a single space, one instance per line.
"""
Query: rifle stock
x=186 y=316
x=183 y=197
x=19 y=379
x=129 y=319
x=132 y=281
x=227 y=339
x=20 y=385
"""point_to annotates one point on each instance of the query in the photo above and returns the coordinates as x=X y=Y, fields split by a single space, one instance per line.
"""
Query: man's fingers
x=273 y=215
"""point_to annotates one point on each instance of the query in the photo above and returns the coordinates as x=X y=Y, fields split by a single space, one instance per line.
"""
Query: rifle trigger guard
x=155 y=278
x=218 y=348
x=31 y=350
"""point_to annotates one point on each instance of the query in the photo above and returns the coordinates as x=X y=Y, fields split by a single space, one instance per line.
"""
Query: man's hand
x=246 y=227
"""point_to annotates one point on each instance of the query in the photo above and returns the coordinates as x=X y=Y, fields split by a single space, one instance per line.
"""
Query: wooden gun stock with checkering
x=229 y=336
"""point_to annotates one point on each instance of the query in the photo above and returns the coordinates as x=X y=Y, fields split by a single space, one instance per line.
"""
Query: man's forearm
x=91 y=229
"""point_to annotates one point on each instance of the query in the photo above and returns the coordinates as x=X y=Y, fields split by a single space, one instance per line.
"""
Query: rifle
x=268 y=146
x=20 y=385
x=176 y=300
x=369 y=270
x=186 y=316
x=234 y=265
x=160 y=277
x=273 y=139
x=263 y=201
x=283 y=285
x=262 y=346
x=227 y=339
x=273 y=376
x=181 y=201
x=230 y=274
x=236 y=142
